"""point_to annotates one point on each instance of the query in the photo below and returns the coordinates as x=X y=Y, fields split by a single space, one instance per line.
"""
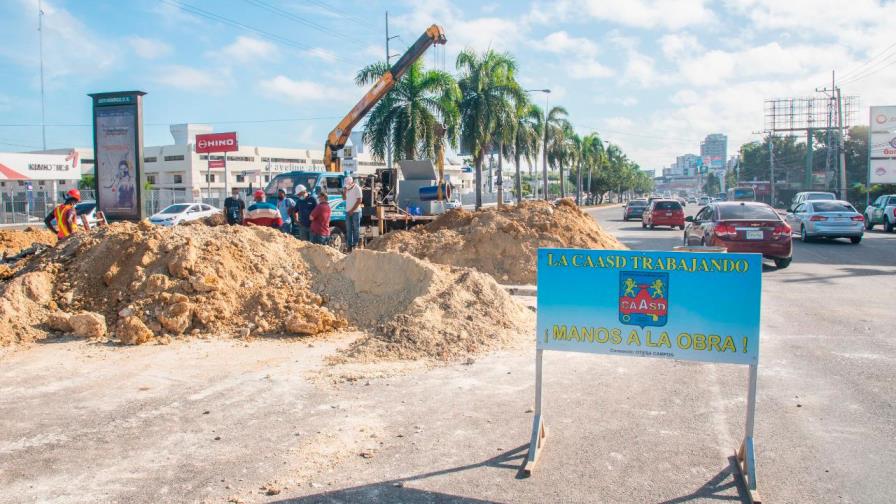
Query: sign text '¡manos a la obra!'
x=643 y=263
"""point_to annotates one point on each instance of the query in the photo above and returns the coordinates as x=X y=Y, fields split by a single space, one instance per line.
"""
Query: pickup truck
x=882 y=211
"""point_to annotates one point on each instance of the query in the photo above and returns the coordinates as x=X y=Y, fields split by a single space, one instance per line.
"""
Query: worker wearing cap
x=65 y=216
x=301 y=223
x=352 y=196
x=234 y=208
x=262 y=213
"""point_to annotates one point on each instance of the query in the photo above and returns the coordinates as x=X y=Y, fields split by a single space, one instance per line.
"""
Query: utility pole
x=771 y=164
x=388 y=63
x=842 y=158
x=40 y=30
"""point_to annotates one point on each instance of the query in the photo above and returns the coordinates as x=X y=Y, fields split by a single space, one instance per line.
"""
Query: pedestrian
x=320 y=220
x=285 y=206
x=65 y=215
x=352 y=197
x=262 y=213
x=301 y=223
x=234 y=208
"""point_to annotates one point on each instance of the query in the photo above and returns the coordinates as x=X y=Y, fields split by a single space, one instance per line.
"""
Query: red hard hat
x=259 y=194
x=74 y=193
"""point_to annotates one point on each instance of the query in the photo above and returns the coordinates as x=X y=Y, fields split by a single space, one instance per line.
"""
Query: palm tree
x=489 y=93
x=562 y=151
x=592 y=156
x=412 y=113
x=526 y=140
x=552 y=139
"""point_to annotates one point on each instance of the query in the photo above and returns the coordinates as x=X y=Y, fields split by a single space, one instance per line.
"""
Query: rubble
x=14 y=241
x=501 y=242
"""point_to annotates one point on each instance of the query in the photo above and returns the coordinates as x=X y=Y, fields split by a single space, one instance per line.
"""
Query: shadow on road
x=717 y=485
x=394 y=490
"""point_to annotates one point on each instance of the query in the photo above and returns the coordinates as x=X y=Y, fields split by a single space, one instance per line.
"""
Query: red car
x=742 y=226
x=663 y=212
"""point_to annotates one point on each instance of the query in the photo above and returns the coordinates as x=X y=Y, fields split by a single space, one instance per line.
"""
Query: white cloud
x=323 y=54
x=246 y=50
x=561 y=43
x=300 y=91
x=193 y=79
x=669 y=14
x=590 y=69
x=675 y=45
x=148 y=48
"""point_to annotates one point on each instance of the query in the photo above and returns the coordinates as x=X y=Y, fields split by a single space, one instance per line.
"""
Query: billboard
x=217 y=142
x=882 y=145
x=118 y=149
x=22 y=166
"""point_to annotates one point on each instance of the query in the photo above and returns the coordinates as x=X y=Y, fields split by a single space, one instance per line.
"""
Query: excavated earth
x=502 y=242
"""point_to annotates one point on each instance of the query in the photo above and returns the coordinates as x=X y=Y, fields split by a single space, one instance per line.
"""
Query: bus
x=741 y=194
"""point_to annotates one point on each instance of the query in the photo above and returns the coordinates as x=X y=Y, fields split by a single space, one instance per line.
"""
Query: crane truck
x=377 y=188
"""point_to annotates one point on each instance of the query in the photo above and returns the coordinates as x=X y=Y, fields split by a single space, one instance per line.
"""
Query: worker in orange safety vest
x=65 y=216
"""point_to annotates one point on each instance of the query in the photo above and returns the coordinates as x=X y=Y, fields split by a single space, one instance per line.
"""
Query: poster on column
x=694 y=306
x=118 y=149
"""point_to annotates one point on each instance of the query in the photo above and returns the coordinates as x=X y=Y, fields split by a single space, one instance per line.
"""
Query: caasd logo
x=643 y=298
x=881 y=118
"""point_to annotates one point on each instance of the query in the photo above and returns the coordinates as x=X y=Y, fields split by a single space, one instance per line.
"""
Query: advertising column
x=118 y=149
x=882 y=146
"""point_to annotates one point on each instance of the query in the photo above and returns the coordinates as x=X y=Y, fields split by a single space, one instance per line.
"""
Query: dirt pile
x=414 y=309
x=13 y=241
x=138 y=283
x=501 y=242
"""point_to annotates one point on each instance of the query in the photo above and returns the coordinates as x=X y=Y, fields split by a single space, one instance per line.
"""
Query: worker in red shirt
x=320 y=220
x=65 y=216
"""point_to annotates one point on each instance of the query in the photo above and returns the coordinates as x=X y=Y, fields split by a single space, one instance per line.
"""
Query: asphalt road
x=827 y=382
x=270 y=421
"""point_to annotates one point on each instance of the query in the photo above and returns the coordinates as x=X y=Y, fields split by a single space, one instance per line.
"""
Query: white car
x=183 y=212
x=86 y=208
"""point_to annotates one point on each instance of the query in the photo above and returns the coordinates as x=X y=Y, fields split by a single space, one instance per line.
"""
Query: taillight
x=724 y=230
x=816 y=218
x=859 y=218
x=782 y=230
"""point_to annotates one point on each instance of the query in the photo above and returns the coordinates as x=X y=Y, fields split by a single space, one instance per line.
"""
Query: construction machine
x=339 y=136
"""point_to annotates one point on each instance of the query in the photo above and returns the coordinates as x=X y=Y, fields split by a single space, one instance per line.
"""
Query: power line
x=871 y=72
x=238 y=121
x=301 y=20
x=364 y=23
x=855 y=69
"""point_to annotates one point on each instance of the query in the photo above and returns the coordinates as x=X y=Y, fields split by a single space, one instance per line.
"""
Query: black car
x=634 y=209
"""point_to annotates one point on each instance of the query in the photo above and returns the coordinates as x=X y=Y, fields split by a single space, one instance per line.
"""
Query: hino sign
x=217 y=142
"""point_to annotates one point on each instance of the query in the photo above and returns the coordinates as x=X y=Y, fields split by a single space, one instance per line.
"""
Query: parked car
x=882 y=211
x=703 y=200
x=827 y=219
x=692 y=200
x=634 y=209
x=663 y=212
x=742 y=226
x=810 y=196
x=183 y=212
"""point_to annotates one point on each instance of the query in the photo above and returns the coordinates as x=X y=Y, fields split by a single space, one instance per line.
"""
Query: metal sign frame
x=744 y=454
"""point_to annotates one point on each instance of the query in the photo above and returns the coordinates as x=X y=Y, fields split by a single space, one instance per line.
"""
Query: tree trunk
x=562 y=185
x=478 y=181
x=591 y=196
x=519 y=183
x=579 y=184
x=500 y=177
x=544 y=163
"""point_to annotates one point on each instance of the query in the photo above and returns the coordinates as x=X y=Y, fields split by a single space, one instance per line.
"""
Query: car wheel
x=643 y=225
x=803 y=236
x=681 y=227
x=868 y=224
x=888 y=226
x=783 y=263
x=855 y=239
x=337 y=239
x=652 y=226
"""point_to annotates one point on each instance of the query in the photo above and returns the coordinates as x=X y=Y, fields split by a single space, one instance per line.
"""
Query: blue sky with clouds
x=652 y=76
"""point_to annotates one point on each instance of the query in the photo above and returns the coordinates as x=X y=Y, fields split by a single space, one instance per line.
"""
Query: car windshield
x=820 y=196
x=637 y=203
x=747 y=212
x=175 y=209
x=668 y=205
x=84 y=208
x=832 y=206
x=289 y=181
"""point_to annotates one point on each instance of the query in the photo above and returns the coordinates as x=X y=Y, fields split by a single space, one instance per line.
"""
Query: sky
x=654 y=77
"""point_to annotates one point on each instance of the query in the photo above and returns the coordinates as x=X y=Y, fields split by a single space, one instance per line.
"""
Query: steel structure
x=816 y=113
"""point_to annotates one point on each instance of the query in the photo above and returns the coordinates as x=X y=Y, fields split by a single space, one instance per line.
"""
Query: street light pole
x=40 y=29
x=544 y=150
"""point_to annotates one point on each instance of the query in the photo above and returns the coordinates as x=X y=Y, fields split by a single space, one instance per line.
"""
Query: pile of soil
x=501 y=242
x=138 y=283
x=13 y=241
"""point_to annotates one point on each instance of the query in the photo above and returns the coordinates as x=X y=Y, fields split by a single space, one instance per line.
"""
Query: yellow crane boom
x=340 y=134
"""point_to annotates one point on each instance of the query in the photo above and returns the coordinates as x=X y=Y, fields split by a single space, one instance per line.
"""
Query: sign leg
x=539 y=432
x=746 y=456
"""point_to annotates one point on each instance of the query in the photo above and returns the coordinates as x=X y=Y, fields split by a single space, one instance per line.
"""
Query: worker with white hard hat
x=301 y=223
x=351 y=193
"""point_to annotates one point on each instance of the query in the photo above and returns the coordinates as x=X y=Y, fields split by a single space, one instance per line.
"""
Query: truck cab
x=328 y=182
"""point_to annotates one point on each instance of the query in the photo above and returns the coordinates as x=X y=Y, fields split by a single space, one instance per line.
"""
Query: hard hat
x=349 y=180
x=300 y=189
x=259 y=194
x=74 y=193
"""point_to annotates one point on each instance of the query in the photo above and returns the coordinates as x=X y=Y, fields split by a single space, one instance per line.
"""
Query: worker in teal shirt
x=285 y=206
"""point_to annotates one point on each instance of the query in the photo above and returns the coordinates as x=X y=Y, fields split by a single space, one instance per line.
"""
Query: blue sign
x=677 y=305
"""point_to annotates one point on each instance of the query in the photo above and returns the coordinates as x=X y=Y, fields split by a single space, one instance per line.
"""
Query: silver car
x=827 y=219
